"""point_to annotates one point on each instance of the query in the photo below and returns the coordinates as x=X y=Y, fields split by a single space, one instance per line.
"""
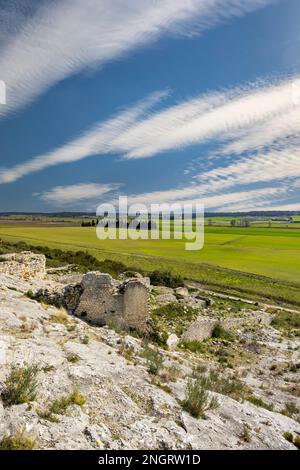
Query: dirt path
x=241 y=299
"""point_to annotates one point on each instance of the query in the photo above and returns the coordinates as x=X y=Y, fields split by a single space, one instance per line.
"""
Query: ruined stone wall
x=25 y=264
x=136 y=305
x=202 y=328
x=104 y=300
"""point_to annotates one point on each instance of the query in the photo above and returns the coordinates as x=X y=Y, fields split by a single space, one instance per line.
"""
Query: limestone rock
x=182 y=291
x=165 y=298
x=172 y=341
x=25 y=264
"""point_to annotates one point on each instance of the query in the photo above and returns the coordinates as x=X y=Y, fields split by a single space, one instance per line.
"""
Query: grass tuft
x=20 y=385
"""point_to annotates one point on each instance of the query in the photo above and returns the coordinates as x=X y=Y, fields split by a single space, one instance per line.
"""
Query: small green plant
x=194 y=346
x=290 y=410
x=30 y=294
x=47 y=369
x=18 y=441
x=171 y=374
x=197 y=400
x=77 y=398
x=154 y=359
x=296 y=442
x=20 y=385
x=73 y=358
x=114 y=325
x=126 y=351
x=230 y=386
x=245 y=435
x=61 y=405
x=288 y=436
x=259 y=402
x=85 y=339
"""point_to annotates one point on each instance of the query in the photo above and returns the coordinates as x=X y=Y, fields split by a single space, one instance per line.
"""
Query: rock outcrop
x=25 y=264
x=94 y=387
x=124 y=407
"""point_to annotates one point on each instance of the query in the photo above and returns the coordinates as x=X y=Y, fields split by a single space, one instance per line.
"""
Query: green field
x=254 y=261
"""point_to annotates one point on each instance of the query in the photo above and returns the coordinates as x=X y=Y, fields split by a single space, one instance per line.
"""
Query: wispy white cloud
x=66 y=195
x=262 y=168
x=222 y=200
x=222 y=116
x=67 y=36
x=225 y=116
x=97 y=140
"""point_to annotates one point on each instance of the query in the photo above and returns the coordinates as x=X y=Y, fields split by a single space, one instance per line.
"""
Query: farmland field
x=253 y=261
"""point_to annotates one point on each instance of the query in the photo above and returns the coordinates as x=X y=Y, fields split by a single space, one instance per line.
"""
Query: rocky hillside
x=66 y=384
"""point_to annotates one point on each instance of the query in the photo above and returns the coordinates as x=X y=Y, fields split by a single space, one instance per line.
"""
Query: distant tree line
x=142 y=225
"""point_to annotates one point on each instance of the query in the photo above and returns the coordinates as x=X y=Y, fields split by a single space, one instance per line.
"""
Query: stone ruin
x=25 y=264
x=104 y=300
x=101 y=300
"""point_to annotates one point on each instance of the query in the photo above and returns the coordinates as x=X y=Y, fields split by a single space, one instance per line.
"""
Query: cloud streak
x=68 y=36
x=233 y=117
x=67 y=195
x=93 y=142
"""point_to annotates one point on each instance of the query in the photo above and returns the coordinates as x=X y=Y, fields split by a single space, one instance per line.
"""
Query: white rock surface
x=124 y=408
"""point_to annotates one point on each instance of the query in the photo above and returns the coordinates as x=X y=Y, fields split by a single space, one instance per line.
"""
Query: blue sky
x=163 y=101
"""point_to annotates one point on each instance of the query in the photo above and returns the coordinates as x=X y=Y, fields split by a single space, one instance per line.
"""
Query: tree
x=233 y=223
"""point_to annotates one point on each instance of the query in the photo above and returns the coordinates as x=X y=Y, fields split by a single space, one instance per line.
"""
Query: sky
x=163 y=101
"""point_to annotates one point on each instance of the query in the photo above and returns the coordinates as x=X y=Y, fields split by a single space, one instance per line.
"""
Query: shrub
x=18 y=441
x=197 y=399
x=194 y=346
x=290 y=410
x=77 y=398
x=245 y=435
x=259 y=402
x=171 y=374
x=296 y=442
x=154 y=360
x=73 y=358
x=230 y=386
x=286 y=321
x=20 y=385
x=60 y=316
x=166 y=278
x=60 y=405
x=85 y=339
x=222 y=333
x=30 y=294
x=288 y=436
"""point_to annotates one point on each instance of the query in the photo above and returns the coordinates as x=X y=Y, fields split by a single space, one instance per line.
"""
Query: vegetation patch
x=61 y=405
x=20 y=385
x=287 y=322
x=166 y=278
x=73 y=358
x=18 y=441
x=221 y=333
x=154 y=359
x=60 y=316
x=197 y=399
x=171 y=318
x=259 y=402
